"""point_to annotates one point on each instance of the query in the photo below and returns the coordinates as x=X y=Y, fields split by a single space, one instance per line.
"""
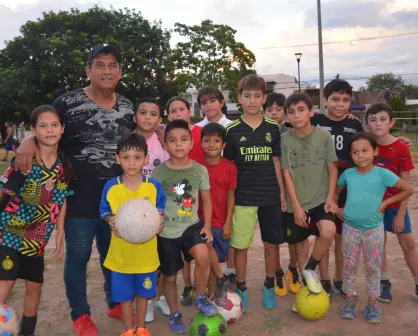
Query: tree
x=411 y=91
x=397 y=104
x=212 y=56
x=385 y=81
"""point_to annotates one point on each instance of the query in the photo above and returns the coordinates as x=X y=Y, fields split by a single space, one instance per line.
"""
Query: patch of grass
x=338 y=332
x=273 y=324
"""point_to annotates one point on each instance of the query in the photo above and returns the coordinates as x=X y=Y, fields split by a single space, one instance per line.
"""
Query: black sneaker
x=326 y=285
x=222 y=286
x=337 y=287
x=186 y=298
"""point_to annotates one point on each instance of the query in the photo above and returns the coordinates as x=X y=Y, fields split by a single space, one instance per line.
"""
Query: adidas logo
x=243 y=139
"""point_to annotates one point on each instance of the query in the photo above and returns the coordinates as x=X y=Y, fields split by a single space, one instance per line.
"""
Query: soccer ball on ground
x=202 y=325
x=232 y=311
x=137 y=221
x=312 y=306
x=8 y=321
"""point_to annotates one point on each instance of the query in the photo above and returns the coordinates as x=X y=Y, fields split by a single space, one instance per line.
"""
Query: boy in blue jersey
x=134 y=266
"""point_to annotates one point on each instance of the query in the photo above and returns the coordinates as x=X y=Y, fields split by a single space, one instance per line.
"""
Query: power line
x=342 y=41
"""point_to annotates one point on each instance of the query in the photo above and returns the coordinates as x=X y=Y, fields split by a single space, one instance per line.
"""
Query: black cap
x=107 y=49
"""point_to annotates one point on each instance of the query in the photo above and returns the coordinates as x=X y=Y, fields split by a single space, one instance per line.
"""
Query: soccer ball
x=202 y=325
x=232 y=311
x=8 y=321
x=137 y=221
x=312 y=306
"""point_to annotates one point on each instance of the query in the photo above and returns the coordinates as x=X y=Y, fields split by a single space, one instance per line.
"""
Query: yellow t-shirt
x=124 y=257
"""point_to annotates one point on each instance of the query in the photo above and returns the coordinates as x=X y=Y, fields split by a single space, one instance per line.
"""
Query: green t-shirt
x=307 y=158
x=181 y=187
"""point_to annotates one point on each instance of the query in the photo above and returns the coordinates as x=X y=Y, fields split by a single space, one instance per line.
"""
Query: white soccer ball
x=137 y=221
x=232 y=311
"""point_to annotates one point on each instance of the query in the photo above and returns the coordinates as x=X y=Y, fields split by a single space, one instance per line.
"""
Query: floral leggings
x=372 y=244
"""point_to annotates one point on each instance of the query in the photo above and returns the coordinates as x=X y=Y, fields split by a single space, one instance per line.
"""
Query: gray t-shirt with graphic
x=307 y=158
x=181 y=187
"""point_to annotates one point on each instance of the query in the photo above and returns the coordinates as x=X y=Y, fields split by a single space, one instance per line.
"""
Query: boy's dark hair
x=150 y=100
x=364 y=136
x=213 y=129
x=379 y=107
x=174 y=125
x=297 y=98
x=274 y=97
x=177 y=98
x=211 y=92
x=339 y=86
x=33 y=120
x=252 y=83
x=132 y=141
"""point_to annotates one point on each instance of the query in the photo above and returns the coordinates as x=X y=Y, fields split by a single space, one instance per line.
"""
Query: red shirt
x=397 y=158
x=197 y=152
x=222 y=179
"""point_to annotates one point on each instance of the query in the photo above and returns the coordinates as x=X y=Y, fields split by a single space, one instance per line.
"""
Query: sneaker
x=186 y=298
x=116 y=313
x=220 y=293
x=294 y=308
x=269 y=297
x=294 y=284
x=130 y=332
x=204 y=305
x=232 y=280
x=337 y=288
x=149 y=316
x=176 y=324
x=84 y=326
x=326 y=285
x=244 y=298
x=385 y=291
x=349 y=309
x=372 y=312
x=312 y=281
x=162 y=306
x=280 y=286
x=142 y=332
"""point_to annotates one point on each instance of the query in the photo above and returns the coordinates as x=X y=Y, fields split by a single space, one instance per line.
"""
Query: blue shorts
x=126 y=286
x=9 y=145
x=221 y=246
x=390 y=215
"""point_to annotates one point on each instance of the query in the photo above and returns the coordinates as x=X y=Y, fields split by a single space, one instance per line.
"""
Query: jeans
x=79 y=236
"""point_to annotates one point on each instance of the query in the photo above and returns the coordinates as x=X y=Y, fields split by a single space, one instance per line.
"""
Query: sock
x=269 y=282
x=221 y=281
x=293 y=269
x=229 y=271
x=384 y=276
x=312 y=263
x=279 y=273
x=27 y=325
x=242 y=286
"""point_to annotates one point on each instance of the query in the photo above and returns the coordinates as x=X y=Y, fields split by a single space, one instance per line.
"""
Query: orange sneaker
x=142 y=332
x=84 y=326
x=130 y=332
x=116 y=313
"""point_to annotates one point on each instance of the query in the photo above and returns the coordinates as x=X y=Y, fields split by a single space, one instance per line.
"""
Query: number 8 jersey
x=342 y=132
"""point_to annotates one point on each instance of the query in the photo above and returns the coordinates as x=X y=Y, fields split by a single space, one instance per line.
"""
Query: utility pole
x=321 y=59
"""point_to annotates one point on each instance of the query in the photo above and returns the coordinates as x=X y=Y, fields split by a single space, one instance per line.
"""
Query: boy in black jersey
x=253 y=143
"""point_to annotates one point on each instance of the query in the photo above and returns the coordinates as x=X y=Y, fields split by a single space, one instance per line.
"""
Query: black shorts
x=297 y=234
x=14 y=265
x=170 y=250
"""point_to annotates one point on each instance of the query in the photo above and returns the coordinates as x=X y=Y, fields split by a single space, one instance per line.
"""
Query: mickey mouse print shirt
x=181 y=187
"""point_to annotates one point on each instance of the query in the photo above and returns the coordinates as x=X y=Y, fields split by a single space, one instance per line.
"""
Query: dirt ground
x=398 y=318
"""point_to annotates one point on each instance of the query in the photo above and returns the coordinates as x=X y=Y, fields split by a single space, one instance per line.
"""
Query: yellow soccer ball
x=312 y=306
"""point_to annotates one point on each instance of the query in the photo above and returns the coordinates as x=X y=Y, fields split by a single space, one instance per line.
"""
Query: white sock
x=384 y=276
x=229 y=271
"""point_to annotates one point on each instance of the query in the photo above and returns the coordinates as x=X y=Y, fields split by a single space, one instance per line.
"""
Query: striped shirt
x=252 y=151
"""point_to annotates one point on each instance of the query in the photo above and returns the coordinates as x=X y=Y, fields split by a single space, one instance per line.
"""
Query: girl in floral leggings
x=363 y=221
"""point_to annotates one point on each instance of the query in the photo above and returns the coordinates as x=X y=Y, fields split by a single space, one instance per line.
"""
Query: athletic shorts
x=126 y=286
x=221 y=246
x=244 y=222
x=9 y=145
x=297 y=234
x=170 y=249
x=14 y=265
x=390 y=215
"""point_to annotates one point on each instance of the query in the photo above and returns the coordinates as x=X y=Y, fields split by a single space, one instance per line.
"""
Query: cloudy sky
x=264 y=24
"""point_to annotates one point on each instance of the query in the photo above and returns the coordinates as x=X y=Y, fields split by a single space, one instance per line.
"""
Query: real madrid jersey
x=252 y=151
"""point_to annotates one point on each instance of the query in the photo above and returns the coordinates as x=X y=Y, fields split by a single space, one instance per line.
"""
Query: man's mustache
x=106 y=77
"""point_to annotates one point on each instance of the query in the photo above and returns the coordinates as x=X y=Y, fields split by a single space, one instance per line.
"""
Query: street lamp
x=298 y=57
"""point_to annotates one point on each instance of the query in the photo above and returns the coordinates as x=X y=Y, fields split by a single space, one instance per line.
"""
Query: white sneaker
x=294 y=308
x=312 y=281
x=149 y=317
x=162 y=306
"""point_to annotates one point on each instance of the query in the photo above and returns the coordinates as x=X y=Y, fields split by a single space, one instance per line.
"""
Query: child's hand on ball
x=112 y=225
